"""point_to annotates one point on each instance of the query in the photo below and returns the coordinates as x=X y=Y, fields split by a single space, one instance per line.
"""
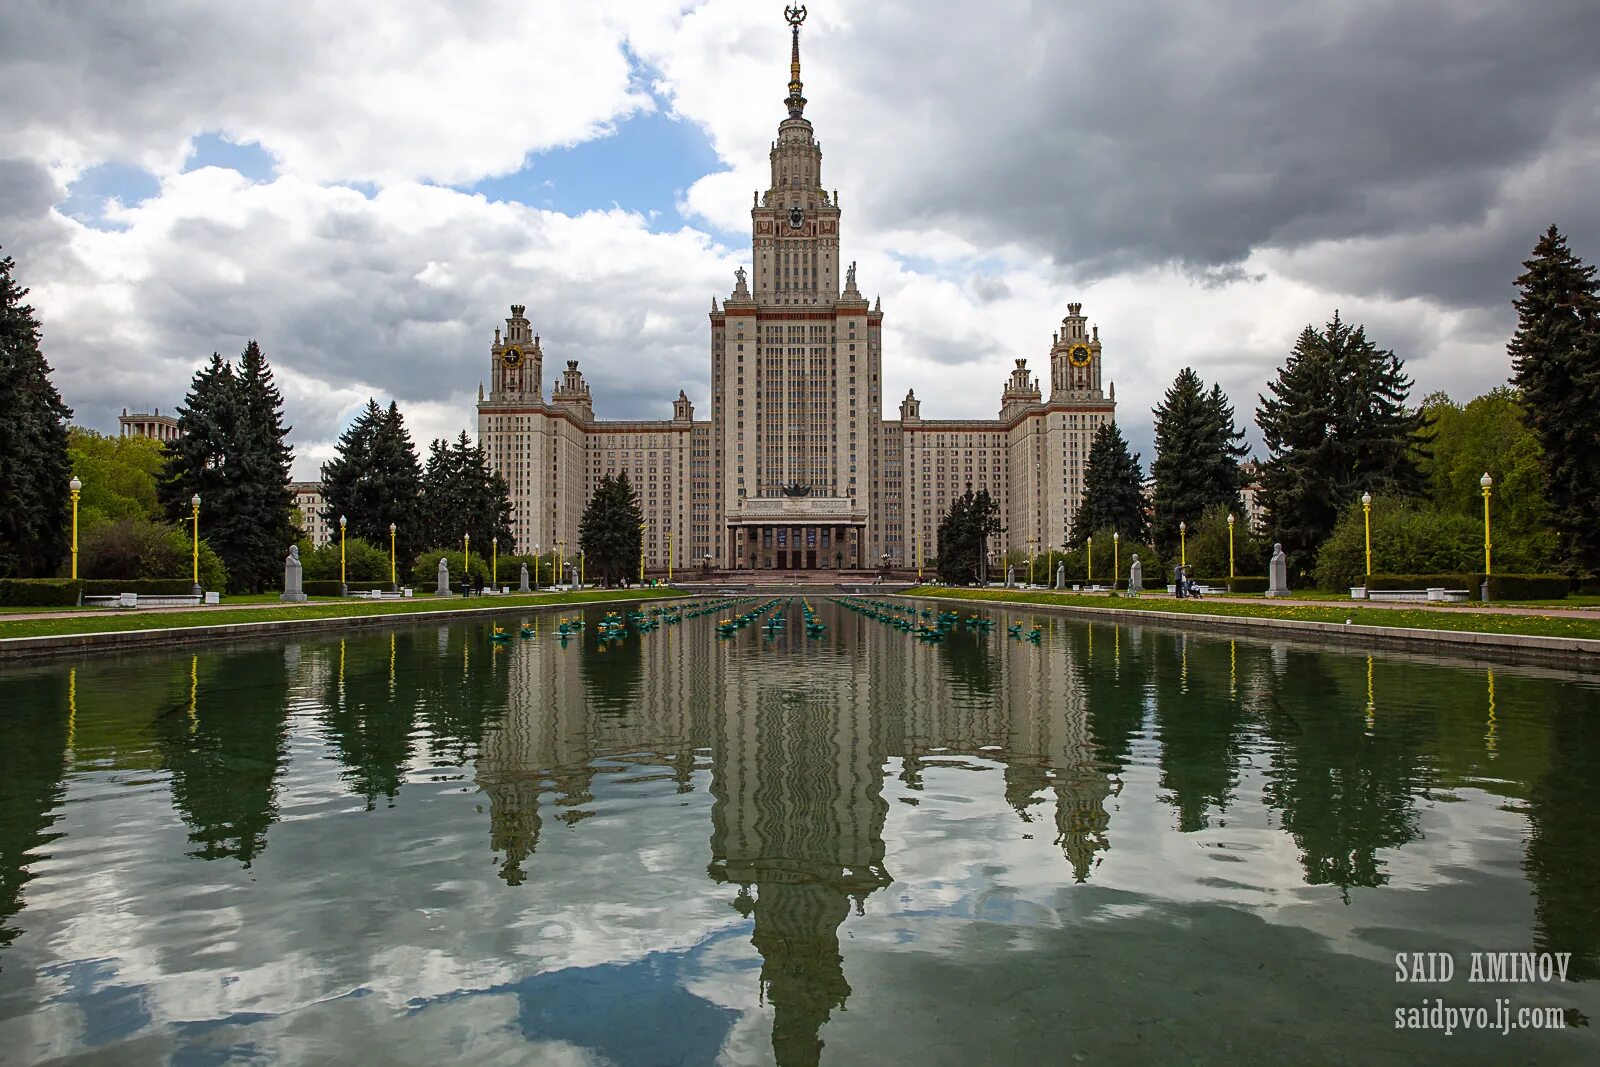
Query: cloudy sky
x=365 y=191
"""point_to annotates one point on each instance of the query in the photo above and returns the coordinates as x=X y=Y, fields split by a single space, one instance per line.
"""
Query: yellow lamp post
x=642 y=526
x=194 y=514
x=1230 y=548
x=1091 y=559
x=494 y=561
x=76 y=487
x=536 y=550
x=344 y=587
x=561 y=546
x=669 y=557
x=583 y=565
x=1032 y=541
x=916 y=540
x=1488 y=484
x=466 y=557
x=394 y=578
x=1116 y=558
x=1183 y=543
x=1366 y=515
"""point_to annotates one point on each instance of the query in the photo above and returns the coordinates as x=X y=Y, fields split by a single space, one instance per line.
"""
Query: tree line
x=1337 y=422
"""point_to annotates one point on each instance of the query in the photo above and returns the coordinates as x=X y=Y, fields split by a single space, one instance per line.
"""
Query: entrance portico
x=796 y=533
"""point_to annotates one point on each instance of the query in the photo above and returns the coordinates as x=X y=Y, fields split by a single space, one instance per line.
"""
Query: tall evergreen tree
x=462 y=494
x=1198 y=449
x=1113 y=489
x=374 y=479
x=200 y=460
x=1555 y=355
x=964 y=536
x=257 y=530
x=609 y=533
x=35 y=513
x=1337 y=425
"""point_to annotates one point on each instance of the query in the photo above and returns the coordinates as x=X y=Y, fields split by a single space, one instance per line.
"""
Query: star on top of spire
x=797 y=103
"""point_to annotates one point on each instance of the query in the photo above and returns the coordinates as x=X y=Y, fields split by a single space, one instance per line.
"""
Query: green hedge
x=1247 y=583
x=142 y=586
x=322 y=588
x=38 y=592
x=1529 y=586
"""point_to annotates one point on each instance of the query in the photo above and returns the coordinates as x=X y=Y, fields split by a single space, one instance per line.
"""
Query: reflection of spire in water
x=798 y=814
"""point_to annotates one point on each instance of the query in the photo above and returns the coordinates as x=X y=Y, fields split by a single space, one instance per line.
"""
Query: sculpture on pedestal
x=1136 y=575
x=1278 y=573
x=444 y=577
x=523 y=588
x=293 y=576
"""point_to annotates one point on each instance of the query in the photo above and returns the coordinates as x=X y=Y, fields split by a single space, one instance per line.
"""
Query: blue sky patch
x=214 y=150
x=86 y=197
x=645 y=164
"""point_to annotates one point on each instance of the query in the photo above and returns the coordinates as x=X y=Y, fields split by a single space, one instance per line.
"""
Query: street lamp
x=536 y=549
x=1116 y=558
x=1366 y=514
x=642 y=525
x=394 y=580
x=561 y=545
x=1183 y=543
x=1090 y=542
x=194 y=514
x=494 y=562
x=669 y=556
x=1488 y=484
x=466 y=558
x=76 y=487
x=1230 y=547
x=344 y=588
x=583 y=566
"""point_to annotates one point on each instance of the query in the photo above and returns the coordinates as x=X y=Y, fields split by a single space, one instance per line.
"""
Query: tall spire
x=796 y=102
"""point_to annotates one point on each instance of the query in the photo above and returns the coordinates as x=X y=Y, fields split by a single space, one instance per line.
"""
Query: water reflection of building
x=797 y=821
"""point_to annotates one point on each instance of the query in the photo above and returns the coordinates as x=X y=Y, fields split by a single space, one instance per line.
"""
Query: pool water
x=1117 y=845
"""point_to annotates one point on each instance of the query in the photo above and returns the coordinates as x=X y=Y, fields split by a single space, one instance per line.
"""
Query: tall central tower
x=796 y=374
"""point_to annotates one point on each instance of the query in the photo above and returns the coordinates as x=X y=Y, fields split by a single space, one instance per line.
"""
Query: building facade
x=154 y=425
x=308 y=502
x=796 y=468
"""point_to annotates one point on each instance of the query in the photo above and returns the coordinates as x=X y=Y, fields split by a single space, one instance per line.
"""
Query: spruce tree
x=1555 y=356
x=257 y=531
x=1198 y=449
x=374 y=480
x=462 y=494
x=964 y=536
x=609 y=533
x=344 y=487
x=1336 y=425
x=35 y=509
x=1113 y=489
x=200 y=460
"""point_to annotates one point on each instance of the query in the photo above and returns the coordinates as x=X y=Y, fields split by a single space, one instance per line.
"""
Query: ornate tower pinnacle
x=796 y=102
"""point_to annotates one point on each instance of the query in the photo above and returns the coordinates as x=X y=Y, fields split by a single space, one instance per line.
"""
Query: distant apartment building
x=153 y=425
x=308 y=501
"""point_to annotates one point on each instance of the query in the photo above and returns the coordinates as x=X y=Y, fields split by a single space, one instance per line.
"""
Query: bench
x=142 y=600
x=378 y=594
x=1432 y=596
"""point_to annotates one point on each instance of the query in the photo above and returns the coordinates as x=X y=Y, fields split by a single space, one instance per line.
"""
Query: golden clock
x=512 y=356
x=1079 y=355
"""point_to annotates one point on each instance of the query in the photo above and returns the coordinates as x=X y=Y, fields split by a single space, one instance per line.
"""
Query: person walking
x=1177 y=581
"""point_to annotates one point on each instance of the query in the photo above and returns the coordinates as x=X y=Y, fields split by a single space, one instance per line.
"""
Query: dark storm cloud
x=1115 y=136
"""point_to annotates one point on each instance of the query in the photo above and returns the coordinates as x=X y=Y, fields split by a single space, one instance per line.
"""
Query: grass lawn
x=1451 y=618
x=324 y=609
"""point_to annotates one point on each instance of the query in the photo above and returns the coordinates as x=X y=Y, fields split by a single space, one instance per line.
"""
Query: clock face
x=797 y=217
x=512 y=356
x=1079 y=355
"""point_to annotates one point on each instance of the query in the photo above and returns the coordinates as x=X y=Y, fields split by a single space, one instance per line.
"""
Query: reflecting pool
x=854 y=846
